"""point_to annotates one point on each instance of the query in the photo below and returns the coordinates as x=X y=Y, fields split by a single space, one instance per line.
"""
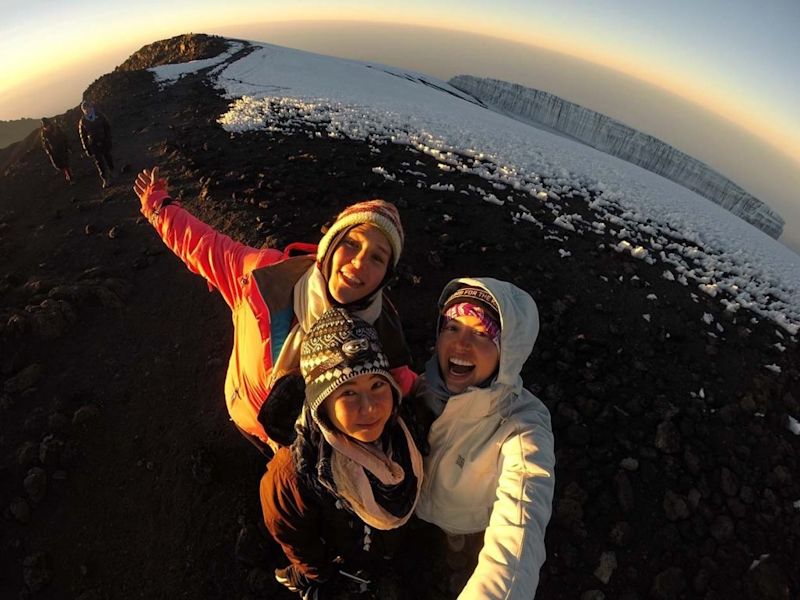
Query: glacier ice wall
x=615 y=138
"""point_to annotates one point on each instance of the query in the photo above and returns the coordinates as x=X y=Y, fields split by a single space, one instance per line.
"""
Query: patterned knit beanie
x=340 y=347
x=378 y=213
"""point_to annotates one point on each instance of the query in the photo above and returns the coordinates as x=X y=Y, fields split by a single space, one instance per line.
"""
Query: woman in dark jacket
x=95 y=133
x=353 y=471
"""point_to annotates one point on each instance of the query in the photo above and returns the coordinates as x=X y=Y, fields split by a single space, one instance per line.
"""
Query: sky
x=715 y=78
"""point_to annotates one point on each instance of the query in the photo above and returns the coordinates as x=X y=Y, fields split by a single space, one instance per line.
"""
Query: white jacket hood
x=519 y=323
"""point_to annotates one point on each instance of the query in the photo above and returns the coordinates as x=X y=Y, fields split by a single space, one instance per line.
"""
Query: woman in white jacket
x=491 y=463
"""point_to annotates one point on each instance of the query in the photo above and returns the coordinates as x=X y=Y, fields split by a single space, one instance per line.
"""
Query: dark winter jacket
x=55 y=143
x=332 y=502
x=95 y=135
x=312 y=527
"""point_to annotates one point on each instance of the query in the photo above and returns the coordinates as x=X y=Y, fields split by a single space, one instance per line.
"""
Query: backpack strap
x=298 y=249
x=390 y=333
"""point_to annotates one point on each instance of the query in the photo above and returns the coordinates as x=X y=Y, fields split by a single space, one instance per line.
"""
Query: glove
x=295 y=581
x=282 y=407
x=152 y=192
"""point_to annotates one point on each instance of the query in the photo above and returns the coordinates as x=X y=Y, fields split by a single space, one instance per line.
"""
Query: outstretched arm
x=513 y=548
x=222 y=261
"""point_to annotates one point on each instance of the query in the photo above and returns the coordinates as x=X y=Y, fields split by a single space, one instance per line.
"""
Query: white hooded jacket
x=491 y=464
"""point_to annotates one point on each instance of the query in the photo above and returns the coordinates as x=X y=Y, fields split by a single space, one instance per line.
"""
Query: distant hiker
x=95 y=134
x=489 y=474
x=55 y=143
x=276 y=298
x=353 y=471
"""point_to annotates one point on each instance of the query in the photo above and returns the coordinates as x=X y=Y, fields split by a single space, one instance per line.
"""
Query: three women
x=353 y=469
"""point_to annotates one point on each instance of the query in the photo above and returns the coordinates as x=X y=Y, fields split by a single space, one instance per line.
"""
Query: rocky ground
x=121 y=476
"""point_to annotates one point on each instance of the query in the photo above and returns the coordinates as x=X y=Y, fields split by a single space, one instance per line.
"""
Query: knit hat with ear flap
x=379 y=213
x=340 y=347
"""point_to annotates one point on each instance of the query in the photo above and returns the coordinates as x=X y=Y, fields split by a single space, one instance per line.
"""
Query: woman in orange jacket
x=275 y=299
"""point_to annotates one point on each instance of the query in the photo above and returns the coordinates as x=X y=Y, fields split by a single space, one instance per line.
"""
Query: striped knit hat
x=475 y=301
x=379 y=213
x=340 y=347
x=473 y=295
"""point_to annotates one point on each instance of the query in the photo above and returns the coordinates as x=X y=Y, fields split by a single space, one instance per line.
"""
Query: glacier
x=617 y=139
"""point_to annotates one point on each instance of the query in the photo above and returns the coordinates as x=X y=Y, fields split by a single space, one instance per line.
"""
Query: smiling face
x=359 y=264
x=466 y=353
x=361 y=407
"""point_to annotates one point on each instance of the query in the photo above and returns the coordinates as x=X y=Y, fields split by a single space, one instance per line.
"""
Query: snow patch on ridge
x=168 y=74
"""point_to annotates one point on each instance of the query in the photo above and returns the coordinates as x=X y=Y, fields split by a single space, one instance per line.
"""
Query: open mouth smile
x=460 y=367
x=350 y=279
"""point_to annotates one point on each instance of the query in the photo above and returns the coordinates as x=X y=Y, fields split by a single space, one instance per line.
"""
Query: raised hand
x=151 y=191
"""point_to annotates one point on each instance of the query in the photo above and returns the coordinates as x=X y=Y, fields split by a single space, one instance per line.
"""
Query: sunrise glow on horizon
x=661 y=45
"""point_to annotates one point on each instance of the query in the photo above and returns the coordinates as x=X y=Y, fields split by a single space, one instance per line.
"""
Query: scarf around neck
x=438 y=394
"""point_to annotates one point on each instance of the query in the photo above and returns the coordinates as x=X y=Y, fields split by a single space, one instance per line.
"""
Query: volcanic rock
x=25 y=379
x=36 y=571
x=35 y=484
